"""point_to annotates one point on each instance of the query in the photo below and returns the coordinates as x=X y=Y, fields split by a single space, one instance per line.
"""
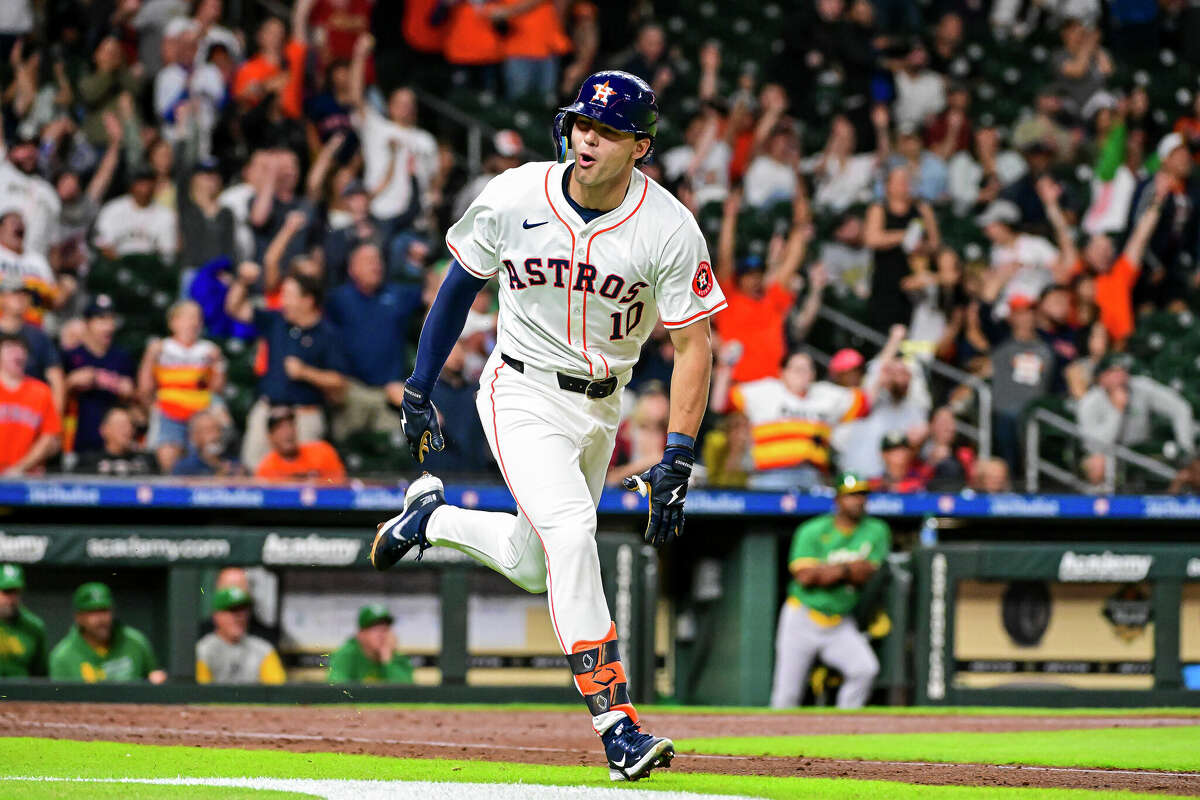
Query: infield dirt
x=554 y=737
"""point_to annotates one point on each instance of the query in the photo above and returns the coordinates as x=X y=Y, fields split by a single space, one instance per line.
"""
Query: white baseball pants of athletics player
x=800 y=639
x=553 y=447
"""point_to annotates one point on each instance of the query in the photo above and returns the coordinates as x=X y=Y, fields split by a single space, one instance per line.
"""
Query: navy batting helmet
x=620 y=100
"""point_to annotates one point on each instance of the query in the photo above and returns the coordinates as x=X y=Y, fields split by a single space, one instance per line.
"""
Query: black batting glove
x=666 y=484
x=419 y=418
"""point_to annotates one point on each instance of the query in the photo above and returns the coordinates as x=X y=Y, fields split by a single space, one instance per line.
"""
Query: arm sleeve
x=203 y=673
x=443 y=325
x=1170 y=404
x=1094 y=420
x=473 y=238
x=270 y=670
x=399 y=670
x=1112 y=152
x=685 y=287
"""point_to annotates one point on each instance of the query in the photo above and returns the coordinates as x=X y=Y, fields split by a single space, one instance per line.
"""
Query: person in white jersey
x=589 y=254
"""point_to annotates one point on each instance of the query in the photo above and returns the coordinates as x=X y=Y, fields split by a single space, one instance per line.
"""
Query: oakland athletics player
x=589 y=254
x=832 y=556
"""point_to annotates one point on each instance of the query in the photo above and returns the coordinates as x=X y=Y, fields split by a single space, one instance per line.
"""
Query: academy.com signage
x=136 y=547
x=23 y=549
x=1106 y=566
x=311 y=550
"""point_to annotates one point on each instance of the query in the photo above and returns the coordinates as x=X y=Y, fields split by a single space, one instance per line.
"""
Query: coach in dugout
x=99 y=648
x=22 y=633
x=370 y=656
x=832 y=556
x=231 y=655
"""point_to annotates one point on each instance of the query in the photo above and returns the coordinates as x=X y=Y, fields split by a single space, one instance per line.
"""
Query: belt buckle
x=600 y=389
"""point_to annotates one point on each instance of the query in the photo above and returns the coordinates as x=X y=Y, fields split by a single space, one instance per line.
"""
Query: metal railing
x=1035 y=466
x=982 y=433
x=474 y=128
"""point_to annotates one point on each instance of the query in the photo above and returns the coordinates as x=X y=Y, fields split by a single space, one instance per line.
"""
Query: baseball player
x=589 y=254
x=22 y=633
x=832 y=556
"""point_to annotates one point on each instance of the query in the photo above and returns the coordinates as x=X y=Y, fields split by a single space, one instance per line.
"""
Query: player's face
x=96 y=625
x=603 y=154
x=853 y=505
x=232 y=624
x=9 y=600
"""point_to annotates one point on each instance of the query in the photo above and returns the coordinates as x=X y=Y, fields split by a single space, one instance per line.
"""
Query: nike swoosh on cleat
x=620 y=763
x=527 y=224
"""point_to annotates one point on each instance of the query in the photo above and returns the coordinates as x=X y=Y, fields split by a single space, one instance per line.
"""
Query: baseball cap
x=230 y=597
x=93 y=596
x=751 y=263
x=893 y=440
x=210 y=164
x=11 y=577
x=279 y=414
x=100 y=306
x=845 y=360
x=1020 y=302
x=373 y=614
x=1097 y=102
x=1168 y=144
x=1115 y=361
x=1004 y=211
x=851 y=483
x=508 y=143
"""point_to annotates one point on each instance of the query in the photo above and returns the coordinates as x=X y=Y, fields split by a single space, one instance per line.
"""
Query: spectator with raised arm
x=896 y=229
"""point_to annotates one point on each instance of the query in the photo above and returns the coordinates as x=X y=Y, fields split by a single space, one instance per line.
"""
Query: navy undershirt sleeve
x=443 y=326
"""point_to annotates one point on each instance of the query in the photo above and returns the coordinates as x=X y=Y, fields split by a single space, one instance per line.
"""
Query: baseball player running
x=589 y=254
x=832 y=556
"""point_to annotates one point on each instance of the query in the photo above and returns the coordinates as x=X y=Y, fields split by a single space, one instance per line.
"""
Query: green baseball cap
x=850 y=483
x=373 y=614
x=93 y=596
x=231 y=597
x=11 y=577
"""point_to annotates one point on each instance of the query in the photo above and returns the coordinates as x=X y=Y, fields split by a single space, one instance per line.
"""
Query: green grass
x=56 y=758
x=1170 y=748
x=38 y=790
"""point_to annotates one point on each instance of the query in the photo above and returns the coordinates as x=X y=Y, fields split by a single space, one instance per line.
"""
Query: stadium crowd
x=219 y=235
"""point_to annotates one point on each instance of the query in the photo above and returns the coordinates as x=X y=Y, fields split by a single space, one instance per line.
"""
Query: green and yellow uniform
x=128 y=657
x=349 y=664
x=819 y=541
x=22 y=645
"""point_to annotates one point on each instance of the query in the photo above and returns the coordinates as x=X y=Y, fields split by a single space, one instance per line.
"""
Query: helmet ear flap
x=562 y=136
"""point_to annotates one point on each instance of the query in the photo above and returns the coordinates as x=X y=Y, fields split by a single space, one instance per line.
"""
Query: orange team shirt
x=1114 y=297
x=25 y=414
x=536 y=33
x=471 y=39
x=418 y=32
x=315 y=460
x=259 y=69
x=758 y=325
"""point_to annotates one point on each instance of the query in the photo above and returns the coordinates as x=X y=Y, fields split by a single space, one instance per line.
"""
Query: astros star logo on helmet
x=603 y=92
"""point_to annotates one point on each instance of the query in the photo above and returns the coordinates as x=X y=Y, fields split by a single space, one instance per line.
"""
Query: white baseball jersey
x=130 y=229
x=583 y=297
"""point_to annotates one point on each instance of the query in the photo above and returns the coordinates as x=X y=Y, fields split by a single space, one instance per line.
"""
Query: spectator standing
x=119 y=456
x=1082 y=65
x=306 y=363
x=375 y=319
x=771 y=177
x=230 y=654
x=400 y=159
x=292 y=460
x=841 y=175
x=22 y=633
x=30 y=270
x=1173 y=244
x=1022 y=372
x=759 y=298
x=42 y=361
x=533 y=42
x=975 y=178
x=99 y=648
x=920 y=92
x=926 y=169
x=105 y=88
x=179 y=376
x=831 y=558
x=276 y=204
x=134 y=224
x=277 y=69
x=99 y=374
x=903 y=473
x=23 y=190
x=1021 y=264
x=703 y=159
x=650 y=59
x=207 y=229
x=1119 y=410
x=370 y=656
x=792 y=417
x=80 y=205
x=30 y=428
x=896 y=229
x=206 y=457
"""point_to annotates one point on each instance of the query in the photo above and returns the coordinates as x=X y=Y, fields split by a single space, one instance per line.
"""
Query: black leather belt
x=593 y=389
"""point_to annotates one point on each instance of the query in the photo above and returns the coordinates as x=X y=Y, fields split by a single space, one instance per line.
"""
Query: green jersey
x=22 y=645
x=127 y=658
x=818 y=542
x=349 y=664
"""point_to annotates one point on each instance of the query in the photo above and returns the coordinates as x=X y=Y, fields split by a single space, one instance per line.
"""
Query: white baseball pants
x=553 y=448
x=799 y=640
